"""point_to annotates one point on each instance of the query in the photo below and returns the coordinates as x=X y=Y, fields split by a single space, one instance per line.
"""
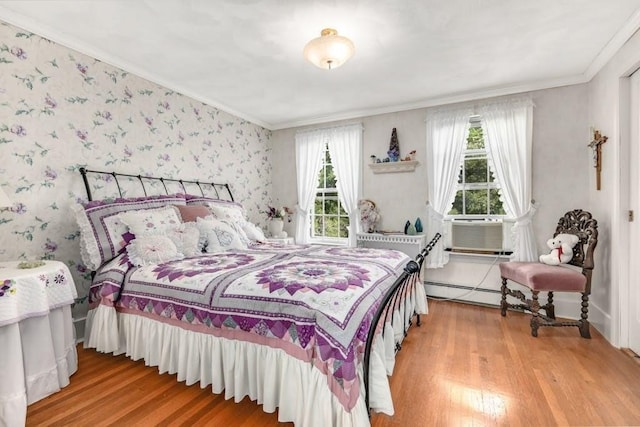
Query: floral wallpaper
x=61 y=110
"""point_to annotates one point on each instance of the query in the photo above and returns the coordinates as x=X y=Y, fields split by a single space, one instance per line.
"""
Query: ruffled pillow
x=239 y=231
x=253 y=232
x=101 y=230
x=219 y=235
x=152 y=249
x=229 y=212
x=150 y=220
x=186 y=237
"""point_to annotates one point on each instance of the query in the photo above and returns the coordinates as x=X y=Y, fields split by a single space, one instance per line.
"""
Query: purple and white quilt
x=314 y=302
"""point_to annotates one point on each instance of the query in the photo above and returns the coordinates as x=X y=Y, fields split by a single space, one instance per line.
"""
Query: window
x=330 y=222
x=477 y=195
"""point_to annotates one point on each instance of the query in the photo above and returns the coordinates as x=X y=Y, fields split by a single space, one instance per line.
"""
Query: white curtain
x=345 y=148
x=447 y=131
x=309 y=149
x=507 y=128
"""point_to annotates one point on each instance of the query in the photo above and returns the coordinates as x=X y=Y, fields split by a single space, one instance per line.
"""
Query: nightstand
x=37 y=336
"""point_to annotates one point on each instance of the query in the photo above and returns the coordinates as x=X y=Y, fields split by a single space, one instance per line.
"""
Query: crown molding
x=613 y=46
x=437 y=101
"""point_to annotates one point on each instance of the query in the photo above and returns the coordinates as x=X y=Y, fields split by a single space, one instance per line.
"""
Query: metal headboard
x=142 y=178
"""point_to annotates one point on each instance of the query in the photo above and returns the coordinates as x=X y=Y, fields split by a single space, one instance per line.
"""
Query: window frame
x=326 y=193
x=470 y=154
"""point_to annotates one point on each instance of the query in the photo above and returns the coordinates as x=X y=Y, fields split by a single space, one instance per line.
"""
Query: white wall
x=608 y=110
x=561 y=174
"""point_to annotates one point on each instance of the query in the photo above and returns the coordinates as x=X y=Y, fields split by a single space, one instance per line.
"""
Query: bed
x=185 y=282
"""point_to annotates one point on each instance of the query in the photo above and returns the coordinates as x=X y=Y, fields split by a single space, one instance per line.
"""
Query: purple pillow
x=102 y=234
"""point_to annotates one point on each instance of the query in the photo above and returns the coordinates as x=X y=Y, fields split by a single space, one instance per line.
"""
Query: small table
x=37 y=337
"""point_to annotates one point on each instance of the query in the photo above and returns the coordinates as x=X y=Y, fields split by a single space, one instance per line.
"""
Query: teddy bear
x=369 y=215
x=561 y=249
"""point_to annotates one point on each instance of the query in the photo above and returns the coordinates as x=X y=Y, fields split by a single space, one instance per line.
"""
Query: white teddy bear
x=561 y=249
x=369 y=215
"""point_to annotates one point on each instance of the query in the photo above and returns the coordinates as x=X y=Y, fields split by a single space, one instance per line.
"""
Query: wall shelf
x=392 y=167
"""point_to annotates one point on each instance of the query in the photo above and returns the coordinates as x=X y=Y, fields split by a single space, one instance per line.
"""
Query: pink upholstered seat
x=573 y=277
x=543 y=277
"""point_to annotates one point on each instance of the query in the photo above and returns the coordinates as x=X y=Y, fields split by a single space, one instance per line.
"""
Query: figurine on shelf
x=411 y=156
x=394 y=147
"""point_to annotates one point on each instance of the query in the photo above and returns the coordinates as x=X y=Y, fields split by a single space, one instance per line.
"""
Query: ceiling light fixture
x=330 y=50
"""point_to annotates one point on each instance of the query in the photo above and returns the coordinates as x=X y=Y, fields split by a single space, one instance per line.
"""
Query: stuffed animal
x=561 y=249
x=369 y=215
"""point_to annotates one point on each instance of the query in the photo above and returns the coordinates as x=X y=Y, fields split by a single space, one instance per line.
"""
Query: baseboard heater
x=461 y=287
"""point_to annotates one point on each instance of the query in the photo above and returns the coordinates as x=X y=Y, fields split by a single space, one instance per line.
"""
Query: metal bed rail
x=390 y=301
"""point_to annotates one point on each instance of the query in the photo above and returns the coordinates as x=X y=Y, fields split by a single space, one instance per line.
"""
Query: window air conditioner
x=480 y=236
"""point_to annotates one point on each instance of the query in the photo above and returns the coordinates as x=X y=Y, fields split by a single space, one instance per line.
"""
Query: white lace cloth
x=37 y=337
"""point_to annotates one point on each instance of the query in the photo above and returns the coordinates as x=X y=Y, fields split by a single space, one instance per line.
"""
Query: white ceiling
x=245 y=56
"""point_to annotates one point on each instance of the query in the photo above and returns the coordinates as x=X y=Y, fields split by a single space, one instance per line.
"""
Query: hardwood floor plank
x=466 y=365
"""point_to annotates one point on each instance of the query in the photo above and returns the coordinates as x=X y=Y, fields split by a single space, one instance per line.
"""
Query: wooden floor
x=465 y=366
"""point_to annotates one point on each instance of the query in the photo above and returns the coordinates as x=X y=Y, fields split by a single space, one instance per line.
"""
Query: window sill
x=478 y=257
x=329 y=242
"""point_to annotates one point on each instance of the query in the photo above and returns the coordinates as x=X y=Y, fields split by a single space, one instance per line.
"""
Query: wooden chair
x=542 y=277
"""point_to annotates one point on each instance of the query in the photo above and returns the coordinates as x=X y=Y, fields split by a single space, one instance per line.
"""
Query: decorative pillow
x=150 y=221
x=239 y=231
x=190 y=213
x=253 y=232
x=186 y=237
x=228 y=212
x=219 y=235
x=152 y=249
x=210 y=202
x=101 y=230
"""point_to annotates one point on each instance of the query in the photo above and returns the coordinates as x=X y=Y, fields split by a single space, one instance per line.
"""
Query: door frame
x=622 y=269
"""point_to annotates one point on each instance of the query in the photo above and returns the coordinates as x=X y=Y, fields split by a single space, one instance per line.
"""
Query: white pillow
x=152 y=249
x=220 y=236
x=229 y=212
x=253 y=232
x=150 y=220
x=186 y=237
x=239 y=231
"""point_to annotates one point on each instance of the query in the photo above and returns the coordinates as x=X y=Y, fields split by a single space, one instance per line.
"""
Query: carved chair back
x=581 y=224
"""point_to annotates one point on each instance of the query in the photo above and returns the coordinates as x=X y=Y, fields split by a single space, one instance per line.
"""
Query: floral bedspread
x=314 y=302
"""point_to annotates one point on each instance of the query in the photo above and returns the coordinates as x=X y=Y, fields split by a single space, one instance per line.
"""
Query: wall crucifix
x=596 y=146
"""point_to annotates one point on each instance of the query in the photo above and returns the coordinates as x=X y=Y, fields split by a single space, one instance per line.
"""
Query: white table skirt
x=38 y=357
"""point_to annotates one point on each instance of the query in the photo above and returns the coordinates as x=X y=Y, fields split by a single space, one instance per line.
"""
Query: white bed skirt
x=266 y=375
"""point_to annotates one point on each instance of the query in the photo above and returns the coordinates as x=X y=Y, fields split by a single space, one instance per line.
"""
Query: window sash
x=324 y=194
x=464 y=187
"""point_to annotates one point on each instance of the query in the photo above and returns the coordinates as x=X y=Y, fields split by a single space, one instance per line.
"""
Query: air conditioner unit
x=480 y=236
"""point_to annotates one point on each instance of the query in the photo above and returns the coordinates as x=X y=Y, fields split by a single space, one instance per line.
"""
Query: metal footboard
x=391 y=300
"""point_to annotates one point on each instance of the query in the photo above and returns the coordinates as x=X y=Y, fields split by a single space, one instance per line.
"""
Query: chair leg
x=584 y=322
x=503 y=301
x=535 y=317
x=550 y=308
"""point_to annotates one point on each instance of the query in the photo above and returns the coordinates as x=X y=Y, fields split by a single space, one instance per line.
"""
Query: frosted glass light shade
x=330 y=50
x=4 y=199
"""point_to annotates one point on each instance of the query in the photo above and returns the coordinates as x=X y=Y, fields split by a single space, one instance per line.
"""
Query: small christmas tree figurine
x=394 y=147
